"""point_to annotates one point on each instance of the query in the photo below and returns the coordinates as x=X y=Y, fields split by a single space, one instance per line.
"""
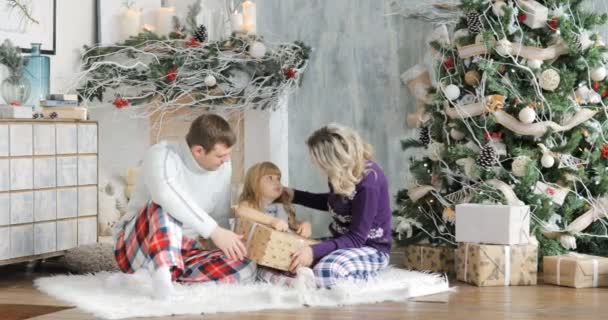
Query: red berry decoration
x=604 y=93
x=290 y=73
x=171 y=74
x=595 y=85
x=522 y=17
x=554 y=23
x=193 y=43
x=448 y=64
x=121 y=103
x=605 y=151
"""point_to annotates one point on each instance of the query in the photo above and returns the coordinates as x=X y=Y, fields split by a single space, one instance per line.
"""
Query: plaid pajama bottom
x=154 y=239
x=351 y=264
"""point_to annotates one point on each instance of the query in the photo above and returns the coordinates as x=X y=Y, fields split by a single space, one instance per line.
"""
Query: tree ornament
x=504 y=47
x=594 y=97
x=582 y=94
x=534 y=64
x=549 y=79
x=425 y=136
x=120 y=103
x=497 y=8
x=488 y=157
x=171 y=74
x=527 y=115
x=522 y=17
x=605 y=151
x=595 y=85
x=200 y=34
x=290 y=73
x=192 y=43
x=554 y=23
x=456 y=134
x=474 y=24
x=472 y=78
x=518 y=166
x=448 y=64
x=452 y=92
x=598 y=74
x=547 y=160
x=210 y=81
x=257 y=49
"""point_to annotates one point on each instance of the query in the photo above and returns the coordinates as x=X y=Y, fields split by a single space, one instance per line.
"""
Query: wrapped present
x=16 y=112
x=268 y=247
x=576 y=270
x=534 y=14
x=492 y=224
x=71 y=113
x=497 y=265
x=430 y=258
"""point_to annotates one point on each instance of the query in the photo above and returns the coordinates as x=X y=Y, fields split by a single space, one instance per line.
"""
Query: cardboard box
x=268 y=247
x=11 y=112
x=497 y=265
x=430 y=258
x=73 y=113
x=492 y=224
x=576 y=270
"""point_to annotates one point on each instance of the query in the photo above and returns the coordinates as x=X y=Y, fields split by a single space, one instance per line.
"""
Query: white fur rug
x=92 y=293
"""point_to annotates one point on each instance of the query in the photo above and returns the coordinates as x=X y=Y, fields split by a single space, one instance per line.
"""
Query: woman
x=359 y=203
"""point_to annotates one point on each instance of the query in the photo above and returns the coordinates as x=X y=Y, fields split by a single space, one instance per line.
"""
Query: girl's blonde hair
x=342 y=154
x=251 y=189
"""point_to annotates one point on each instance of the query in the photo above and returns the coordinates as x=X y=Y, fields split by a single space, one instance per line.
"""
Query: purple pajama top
x=362 y=219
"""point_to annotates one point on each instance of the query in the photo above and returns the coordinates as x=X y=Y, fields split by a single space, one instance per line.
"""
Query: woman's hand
x=280 y=225
x=288 y=193
x=301 y=258
x=304 y=229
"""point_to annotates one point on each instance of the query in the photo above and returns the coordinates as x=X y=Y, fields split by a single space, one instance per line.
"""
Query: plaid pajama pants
x=154 y=239
x=351 y=264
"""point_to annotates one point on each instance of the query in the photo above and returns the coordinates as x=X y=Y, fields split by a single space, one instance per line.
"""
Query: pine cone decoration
x=474 y=22
x=200 y=34
x=425 y=136
x=488 y=157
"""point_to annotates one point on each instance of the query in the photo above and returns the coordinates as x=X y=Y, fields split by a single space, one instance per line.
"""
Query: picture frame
x=39 y=28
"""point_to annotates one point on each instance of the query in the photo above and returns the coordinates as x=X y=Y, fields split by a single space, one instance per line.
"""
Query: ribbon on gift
x=596 y=267
x=516 y=49
x=251 y=232
x=421 y=256
x=507 y=270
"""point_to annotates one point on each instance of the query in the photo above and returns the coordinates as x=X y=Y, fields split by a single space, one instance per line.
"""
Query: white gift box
x=11 y=112
x=536 y=13
x=492 y=224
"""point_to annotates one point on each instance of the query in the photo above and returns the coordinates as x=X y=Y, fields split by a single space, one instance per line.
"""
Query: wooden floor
x=19 y=300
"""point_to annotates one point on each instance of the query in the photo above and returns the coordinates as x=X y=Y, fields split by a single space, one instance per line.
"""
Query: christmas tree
x=516 y=115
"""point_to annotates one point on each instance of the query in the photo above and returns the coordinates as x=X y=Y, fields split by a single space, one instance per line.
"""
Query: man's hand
x=230 y=243
x=301 y=258
x=288 y=192
x=304 y=229
x=280 y=225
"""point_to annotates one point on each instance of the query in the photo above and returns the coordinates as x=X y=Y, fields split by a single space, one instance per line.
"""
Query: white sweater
x=172 y=178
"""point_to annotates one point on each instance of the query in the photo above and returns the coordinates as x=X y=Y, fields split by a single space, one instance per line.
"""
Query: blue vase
x=37 y=71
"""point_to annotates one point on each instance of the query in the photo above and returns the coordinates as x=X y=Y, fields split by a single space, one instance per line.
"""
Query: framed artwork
x=29 y=21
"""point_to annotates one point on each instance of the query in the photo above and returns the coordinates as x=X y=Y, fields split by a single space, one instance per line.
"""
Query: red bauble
x=554 y=23
x=605 y=151
x=595 y=85
x=290 y=73
x=193 y=43
x=171 y=74
x=604 y=93
x=448 y=63
x=522 y=17
x=121 y=103
x=492 y=135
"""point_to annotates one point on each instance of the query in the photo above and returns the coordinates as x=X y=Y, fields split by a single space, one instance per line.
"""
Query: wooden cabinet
x=48 y=187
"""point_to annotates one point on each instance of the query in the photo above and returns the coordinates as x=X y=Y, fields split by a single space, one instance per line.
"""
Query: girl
x=263 y=201
x=359 y=203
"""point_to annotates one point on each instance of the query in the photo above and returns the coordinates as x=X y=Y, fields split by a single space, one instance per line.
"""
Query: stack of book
x=63 y=106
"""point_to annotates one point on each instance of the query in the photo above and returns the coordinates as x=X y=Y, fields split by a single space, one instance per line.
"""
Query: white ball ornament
x=534 y=64
x=595 y=97
x=456 y=135
x=527 y=115
x=598 y=74
x=549 y=79
x=582 y=92
x=257 y=49
x=210 y=81
x=452 y=92
x=504 y=47
x=518 y=167
x=497 y=8
x=547 y=160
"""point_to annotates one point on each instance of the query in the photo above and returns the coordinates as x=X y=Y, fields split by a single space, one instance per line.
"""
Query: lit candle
x=249 y=18
x=130 y=22
x=164 y=20
x=236 y=21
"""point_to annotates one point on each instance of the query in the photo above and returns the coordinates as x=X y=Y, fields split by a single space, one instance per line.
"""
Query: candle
x=249 y=18
x=164 y=20
x=130 y=23
x=236 y=21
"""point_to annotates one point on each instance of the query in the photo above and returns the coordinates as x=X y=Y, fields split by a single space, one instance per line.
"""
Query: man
x=182 y=193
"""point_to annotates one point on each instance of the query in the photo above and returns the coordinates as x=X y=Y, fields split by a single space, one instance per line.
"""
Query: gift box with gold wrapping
x=430 y=258
x=576 y=270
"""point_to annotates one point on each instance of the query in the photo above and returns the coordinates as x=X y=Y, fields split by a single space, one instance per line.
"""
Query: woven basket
x=268 y=247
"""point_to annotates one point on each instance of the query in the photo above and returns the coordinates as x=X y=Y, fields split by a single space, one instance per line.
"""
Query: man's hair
x=208 y=130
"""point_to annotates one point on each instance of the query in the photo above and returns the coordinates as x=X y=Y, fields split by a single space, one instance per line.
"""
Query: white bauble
x=534 y=64
x=435 y=150
x=549 y=80
x=497 y=8
x=504 y=47
x=547 y=160
x=257 y=49
x=456 y=135
x=527 y=115
x=595 y=97
x=452 y=92
x=518 y=167
x=210 y=81
x=598 y=74
x=582 y=93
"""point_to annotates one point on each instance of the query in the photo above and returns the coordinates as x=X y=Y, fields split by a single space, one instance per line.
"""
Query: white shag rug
x=93 y=294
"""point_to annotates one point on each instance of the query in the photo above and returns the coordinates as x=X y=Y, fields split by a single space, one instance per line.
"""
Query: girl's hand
x=304 y=229
x=280 y=225
x=301 y=258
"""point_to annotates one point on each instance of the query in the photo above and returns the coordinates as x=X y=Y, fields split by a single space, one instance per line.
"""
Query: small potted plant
x=15 y=89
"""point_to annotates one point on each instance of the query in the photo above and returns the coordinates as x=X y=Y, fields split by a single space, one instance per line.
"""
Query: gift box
x=430 y=258
x=576 y=270
x=268 y=247
x=72 y=113
x=16 y=112
x=497 y=265
x=492 y=224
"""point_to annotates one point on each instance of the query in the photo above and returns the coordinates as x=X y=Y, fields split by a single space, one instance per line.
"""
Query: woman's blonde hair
x=342 y=154
x=251 y=189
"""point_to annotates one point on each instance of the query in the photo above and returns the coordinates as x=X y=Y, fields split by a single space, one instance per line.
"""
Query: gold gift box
x=497 y=265
x=268 y=247
x=576 y=270
x=430 y=258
